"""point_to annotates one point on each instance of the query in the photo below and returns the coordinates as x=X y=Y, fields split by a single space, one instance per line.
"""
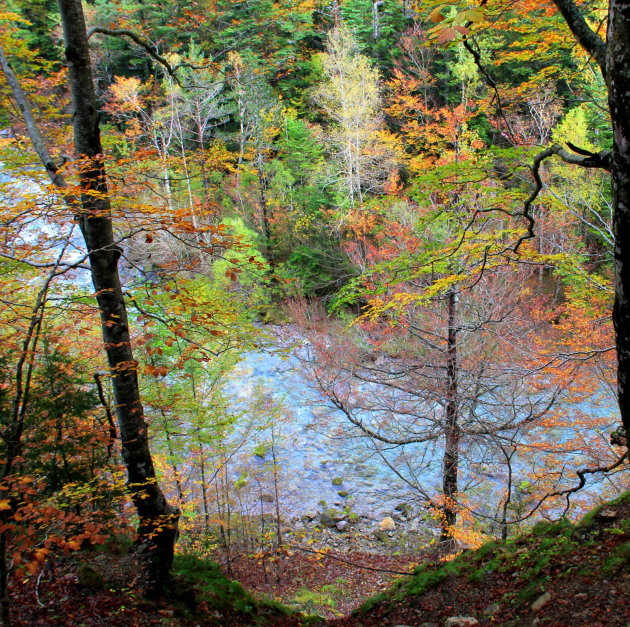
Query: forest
x=281 y=278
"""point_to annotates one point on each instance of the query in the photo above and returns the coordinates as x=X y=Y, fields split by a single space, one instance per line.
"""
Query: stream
x=318 y=455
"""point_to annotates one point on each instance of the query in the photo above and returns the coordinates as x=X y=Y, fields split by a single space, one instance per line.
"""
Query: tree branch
x=31 y=126
x=602 y=160
x=585 y=35
x=123 y=32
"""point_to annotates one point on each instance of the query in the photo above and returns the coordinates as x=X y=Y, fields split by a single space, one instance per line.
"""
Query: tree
x=350 y=95
x=612 y=57
x=91 y=206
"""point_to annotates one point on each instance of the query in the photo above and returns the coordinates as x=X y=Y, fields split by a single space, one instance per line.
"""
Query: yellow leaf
x=436 y=16
x=4 y=504
x=475 y=16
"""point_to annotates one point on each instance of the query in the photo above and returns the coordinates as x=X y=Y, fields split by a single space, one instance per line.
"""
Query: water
x=316 y=444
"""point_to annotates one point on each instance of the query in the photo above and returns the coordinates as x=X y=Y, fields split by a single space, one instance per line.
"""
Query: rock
x=607 y=514
x=541 y=601
x=330 y=517
x=90 y=578
x=337 y=481
x=343 y=494
x=267 y=498
x=387 y=524
x=381 y=536
x=342 y=525
x=461 y=621
x=405 y=509
x=491 y=610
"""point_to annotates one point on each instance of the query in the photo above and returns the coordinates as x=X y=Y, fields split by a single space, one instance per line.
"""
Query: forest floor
x=560 y=575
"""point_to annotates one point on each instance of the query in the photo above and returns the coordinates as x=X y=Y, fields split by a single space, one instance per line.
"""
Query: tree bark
x=618 y=79
x=613 y=58
x=158 y=520
x=453 y=435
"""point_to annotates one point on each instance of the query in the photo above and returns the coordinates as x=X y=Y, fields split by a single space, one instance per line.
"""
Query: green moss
x=484 y=550
x=589 y=519
x=552 y=529
x=337 y=481
x=218 y=592
x=532 y=590
x=619 y=559
x=423 y=581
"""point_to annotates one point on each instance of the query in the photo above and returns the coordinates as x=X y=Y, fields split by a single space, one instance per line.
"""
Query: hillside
x=560 y=574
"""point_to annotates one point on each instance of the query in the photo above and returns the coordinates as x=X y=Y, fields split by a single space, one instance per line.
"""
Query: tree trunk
x=158 y=520
x=451 y=447
x=618 y=78
x=336 y=13
x=264 y=208
x=376 y=4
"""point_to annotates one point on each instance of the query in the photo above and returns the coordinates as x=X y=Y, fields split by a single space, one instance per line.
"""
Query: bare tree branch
x=123 y=32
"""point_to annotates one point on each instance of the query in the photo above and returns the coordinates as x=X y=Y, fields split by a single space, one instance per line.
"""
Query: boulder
x=330 y=517
x=90 y=578
x=541 y=601
x=491 y=610
x=461 y=621
x=404 y=509
x=387 y=524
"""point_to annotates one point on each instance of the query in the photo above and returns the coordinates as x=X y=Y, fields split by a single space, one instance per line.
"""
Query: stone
x=607 y=514
x=343 y=494
x=330 y=517
x=342 y=525
x=404 y=509
x=337 y=481
x=90 y=578
x=461 y=621
x=491 y=610
x=387 y=524
x=541 y=601
x=381 y=536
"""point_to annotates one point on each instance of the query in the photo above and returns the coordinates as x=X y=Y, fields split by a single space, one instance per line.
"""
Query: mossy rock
x=90 y=578
x=337 y=481
x=208 y=584
x=330 y=517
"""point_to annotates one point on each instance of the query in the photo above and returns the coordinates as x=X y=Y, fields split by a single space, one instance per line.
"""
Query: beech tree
x=90 y=204
x=613 y=58
x=611 y=55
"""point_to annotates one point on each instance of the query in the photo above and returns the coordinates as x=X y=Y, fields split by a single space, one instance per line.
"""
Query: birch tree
x=349 y=94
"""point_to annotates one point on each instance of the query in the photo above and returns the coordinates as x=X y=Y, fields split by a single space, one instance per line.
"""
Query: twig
x=340 y=559
x=108 y=412
x=39 y=577
x=123 y=32
x=582 y=481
